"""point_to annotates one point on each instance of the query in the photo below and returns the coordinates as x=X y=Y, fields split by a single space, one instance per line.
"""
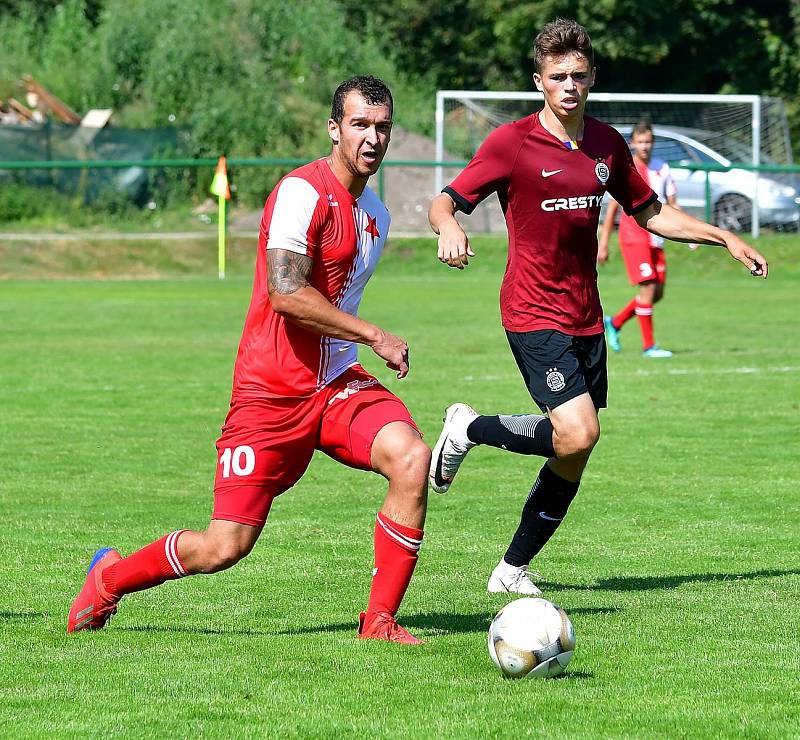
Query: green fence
x=786 y=185
x=117 y=164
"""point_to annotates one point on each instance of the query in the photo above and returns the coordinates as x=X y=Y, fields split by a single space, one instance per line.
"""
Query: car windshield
x=672 y=150
x=735 y=151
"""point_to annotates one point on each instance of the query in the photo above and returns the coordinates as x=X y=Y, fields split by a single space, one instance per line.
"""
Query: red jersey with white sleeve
x=658 y=175
x=311 y=213
x=551 y=192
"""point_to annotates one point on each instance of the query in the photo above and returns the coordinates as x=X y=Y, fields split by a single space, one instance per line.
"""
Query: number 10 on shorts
x=239 y=461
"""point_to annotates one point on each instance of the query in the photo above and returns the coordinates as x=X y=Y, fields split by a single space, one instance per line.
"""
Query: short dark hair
x=372 y=89
x=559 y=38
x=642 y=126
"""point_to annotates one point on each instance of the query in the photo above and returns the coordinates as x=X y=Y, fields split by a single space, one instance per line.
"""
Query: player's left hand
x=750 y=257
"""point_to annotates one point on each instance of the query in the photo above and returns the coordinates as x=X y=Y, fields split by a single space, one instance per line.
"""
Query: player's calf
x=525 y=434
x=213 y=551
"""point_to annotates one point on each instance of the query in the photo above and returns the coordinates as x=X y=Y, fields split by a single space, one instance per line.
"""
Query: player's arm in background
x=454 y=248
x=294 y=298
x=605 y=230
x=671 y=223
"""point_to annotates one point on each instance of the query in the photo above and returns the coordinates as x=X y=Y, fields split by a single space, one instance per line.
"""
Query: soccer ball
x=531 y=638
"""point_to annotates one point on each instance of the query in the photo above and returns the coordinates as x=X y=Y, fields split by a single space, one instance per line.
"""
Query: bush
x=21 y=202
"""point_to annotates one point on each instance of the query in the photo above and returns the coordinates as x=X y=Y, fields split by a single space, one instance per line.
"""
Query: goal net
x=744 y=129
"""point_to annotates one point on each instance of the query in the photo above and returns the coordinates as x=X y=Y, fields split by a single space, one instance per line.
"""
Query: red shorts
x=644 y=263
x=267 y=444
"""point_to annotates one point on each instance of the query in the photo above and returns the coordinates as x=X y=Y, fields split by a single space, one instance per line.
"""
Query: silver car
x=731 y=192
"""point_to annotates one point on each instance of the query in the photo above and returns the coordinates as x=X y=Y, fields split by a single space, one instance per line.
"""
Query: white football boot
x=510 y=579
x=452 y=446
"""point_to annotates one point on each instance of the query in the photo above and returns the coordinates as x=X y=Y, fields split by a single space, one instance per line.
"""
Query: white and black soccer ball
x=531 y=638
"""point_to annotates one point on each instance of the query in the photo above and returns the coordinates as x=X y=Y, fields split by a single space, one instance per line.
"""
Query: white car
x=732 y=191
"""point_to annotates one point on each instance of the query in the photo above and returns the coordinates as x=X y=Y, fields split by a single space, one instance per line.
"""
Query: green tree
x=703 y=46
x=246 y=77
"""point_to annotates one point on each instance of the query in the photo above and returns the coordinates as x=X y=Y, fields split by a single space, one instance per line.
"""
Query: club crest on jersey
x=555 y=380
x=602 y=172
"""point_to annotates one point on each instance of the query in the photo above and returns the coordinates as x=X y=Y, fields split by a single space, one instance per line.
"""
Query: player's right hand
x=454 y=248
x=602 y=253
x=395 y=351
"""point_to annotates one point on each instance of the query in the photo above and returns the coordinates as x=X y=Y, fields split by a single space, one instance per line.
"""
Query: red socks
x=148 y=567
x=624 y=315
x=644 y=312
x=396 y=548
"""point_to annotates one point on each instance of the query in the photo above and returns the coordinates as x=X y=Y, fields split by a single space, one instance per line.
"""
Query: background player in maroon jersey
x=642 y=250
x=297 y=383
x=550 y=172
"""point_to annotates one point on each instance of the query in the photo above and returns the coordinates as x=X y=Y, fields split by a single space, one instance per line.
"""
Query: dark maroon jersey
x=551 y=196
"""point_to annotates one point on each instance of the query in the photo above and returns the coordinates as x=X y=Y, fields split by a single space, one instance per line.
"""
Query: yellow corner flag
x=220 y=188
x=219 y=185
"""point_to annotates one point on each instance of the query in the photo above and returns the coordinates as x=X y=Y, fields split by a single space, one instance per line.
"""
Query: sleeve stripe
x=636 y=209
x=462 y=203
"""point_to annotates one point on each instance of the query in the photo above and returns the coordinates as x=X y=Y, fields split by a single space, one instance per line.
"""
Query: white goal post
x=756 y=125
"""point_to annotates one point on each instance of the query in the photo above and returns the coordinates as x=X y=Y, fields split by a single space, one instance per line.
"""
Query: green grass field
x=678 y=563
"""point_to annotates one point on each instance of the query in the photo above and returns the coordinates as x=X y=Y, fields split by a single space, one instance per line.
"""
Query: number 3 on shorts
x=241 y=461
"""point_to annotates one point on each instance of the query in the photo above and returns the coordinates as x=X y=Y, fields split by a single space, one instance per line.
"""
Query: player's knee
x=414 y=462
x=409 y=462
x=222 y=554
x=577 y=441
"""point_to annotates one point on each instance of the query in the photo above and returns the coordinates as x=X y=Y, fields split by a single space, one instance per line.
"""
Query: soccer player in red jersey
x=550 y=171
x=297 y=383
x=642 y=250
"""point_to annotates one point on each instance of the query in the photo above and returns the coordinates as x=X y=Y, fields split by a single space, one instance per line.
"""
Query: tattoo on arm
x=287 y=271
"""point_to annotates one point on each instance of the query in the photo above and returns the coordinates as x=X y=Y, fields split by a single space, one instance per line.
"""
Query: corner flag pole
x=220 y=188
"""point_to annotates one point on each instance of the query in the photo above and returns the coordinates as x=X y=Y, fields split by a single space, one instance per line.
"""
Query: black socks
x=527 y=434
x=544 y=509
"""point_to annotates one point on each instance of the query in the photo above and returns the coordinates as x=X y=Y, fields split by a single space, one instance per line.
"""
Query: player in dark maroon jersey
x=550 y=172
x=297 y=383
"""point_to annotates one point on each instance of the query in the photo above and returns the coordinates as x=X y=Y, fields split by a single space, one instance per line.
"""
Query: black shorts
x=558 y=367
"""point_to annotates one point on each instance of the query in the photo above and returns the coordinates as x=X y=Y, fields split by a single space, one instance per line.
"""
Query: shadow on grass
x=192 y=630
x=440 y=623
x=571 y=675
x=651 y=583
x=447 y=623
x=9 y=616
x=437 y=623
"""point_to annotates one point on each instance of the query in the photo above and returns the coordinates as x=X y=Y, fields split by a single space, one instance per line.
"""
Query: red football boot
x=94 y=605
x=383 y=626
